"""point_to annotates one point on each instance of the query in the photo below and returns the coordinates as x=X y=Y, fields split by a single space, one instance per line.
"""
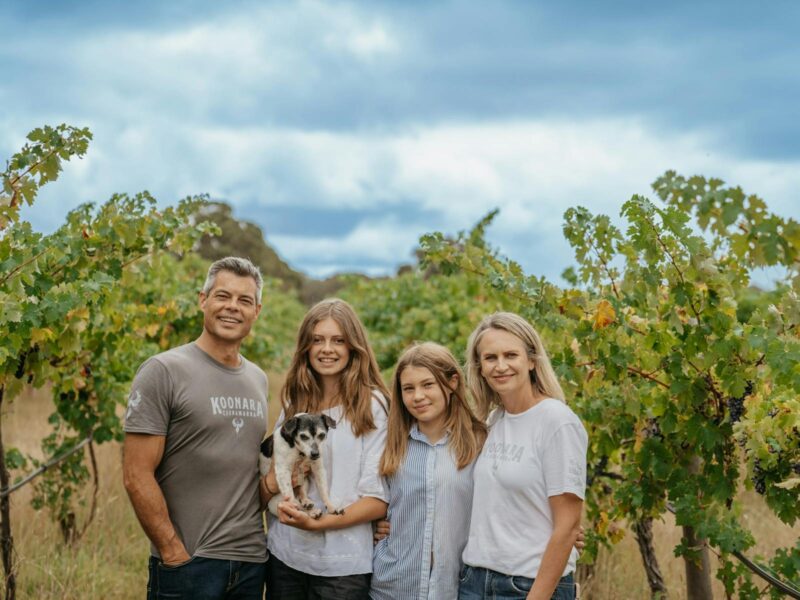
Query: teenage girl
x=432 y=444
x=333 y=371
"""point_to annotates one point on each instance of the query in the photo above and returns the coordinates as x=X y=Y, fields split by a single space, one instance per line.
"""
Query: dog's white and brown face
x=299 y=444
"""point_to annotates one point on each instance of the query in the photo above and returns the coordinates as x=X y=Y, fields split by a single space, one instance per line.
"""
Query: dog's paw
x=335 y=511
x=315 y=513
x=308 y=507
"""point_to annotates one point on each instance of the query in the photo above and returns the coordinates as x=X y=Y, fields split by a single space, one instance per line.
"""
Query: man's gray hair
x=238 y=266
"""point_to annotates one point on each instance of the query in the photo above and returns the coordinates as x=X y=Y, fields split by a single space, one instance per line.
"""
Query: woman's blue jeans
x=477 y=583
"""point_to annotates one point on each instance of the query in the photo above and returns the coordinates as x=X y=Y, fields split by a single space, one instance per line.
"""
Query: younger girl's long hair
x=467 y=433
x=302 y=390
x=543 y=378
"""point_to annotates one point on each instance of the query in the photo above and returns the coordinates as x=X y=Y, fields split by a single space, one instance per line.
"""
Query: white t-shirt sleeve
x=564 y=461
x=370 y=483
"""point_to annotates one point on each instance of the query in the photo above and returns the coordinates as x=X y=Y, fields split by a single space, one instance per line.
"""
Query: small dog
x=297 y=446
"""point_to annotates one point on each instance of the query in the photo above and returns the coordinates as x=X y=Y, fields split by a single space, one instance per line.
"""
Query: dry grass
x=111 y=560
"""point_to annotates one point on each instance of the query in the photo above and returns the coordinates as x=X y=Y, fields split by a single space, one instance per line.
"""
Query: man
x=196 y=416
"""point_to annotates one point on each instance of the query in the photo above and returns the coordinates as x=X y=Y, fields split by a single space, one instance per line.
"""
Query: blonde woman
x=334 y=372
x=531 y=474
x=433 y=441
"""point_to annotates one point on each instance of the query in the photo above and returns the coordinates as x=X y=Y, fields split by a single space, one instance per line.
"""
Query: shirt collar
x=416 y=434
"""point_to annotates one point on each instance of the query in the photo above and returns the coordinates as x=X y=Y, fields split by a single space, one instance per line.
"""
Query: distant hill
x=243 y=238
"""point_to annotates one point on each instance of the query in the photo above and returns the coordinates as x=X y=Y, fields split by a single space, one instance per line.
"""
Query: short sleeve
x=370 y=483
x=564 y=461
x=150 y=400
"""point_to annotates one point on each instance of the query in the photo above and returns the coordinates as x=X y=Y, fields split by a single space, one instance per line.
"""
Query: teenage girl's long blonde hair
x=467 y=433
x=543 y=378
x=302 y=390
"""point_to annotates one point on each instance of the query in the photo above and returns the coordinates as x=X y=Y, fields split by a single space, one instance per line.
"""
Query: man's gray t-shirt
x=214 y=418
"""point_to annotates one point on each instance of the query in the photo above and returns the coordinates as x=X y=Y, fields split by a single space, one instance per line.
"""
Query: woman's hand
x=382 y=530
x=289 y=514
x=580 y=541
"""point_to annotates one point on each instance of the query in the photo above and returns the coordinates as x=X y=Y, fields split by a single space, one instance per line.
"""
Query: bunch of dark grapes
x=736 y=405
x=20 y=371
x=736 y=409
x=758 y=478
x=796 y=467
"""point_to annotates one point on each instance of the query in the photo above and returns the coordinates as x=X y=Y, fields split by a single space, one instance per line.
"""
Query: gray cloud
x=336 y=126
x=725 y=69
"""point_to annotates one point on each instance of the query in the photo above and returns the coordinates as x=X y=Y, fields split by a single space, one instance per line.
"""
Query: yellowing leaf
x=152 y=329
x=615 y=532
x=637 y=444
x=78 y=313
x=602 y=524
x=41 y=335
x=605 y=315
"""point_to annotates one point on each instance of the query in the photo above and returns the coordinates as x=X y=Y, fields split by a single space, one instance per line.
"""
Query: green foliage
x=81 y=308
x=36 y=164
x=770 y=436
x=665 y=368
x=786 y=565
x=408 y=308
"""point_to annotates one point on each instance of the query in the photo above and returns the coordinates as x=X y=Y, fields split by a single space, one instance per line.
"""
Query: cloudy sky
x=348 y=129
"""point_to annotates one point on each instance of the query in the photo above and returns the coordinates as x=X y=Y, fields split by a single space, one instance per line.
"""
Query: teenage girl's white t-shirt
x=352 y=465
x=527 y=458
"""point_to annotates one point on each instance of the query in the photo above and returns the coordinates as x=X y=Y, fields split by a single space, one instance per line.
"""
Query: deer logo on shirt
x=133 y=402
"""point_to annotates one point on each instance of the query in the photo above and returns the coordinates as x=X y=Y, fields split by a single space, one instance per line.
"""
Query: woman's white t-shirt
x=352 y=467
x=527 y=458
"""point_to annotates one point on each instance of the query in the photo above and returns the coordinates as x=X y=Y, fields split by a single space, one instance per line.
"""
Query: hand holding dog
x=289 y=514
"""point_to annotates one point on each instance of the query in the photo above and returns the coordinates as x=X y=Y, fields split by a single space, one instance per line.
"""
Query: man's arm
x=141 y=454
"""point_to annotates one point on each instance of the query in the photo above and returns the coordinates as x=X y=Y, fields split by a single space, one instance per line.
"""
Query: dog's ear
x=266 y=447
x=329 y=422
x=288 y=430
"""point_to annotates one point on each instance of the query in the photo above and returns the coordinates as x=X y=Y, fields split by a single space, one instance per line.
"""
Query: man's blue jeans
x=206 y=579
x=477 y=583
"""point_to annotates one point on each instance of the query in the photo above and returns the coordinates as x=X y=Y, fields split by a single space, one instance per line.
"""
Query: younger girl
x=432 y=443
x=333 y=372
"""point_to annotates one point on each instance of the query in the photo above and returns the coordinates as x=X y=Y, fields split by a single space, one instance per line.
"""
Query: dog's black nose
x=314 y=455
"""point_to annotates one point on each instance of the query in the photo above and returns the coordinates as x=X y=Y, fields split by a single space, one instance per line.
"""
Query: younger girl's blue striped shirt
x=430 y=502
